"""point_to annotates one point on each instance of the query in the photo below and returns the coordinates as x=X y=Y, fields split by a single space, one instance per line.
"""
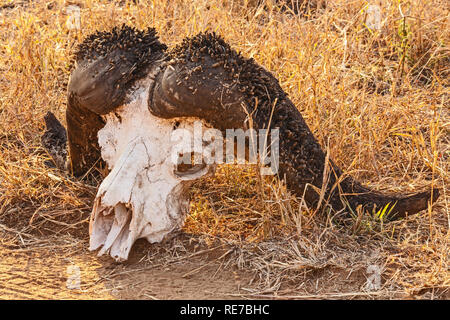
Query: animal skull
x=128 y=77
x=144 y=195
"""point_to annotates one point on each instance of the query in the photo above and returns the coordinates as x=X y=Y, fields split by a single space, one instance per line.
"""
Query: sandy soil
x=62 y=267
x=49 y=271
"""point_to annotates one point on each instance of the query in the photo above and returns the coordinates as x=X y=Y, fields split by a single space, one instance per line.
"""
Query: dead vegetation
x=378 y=97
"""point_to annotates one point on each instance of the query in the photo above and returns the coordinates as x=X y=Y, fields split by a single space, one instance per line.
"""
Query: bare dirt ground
x=50 y=271
x=377 y=96
x=43 y=272
x=63 y=268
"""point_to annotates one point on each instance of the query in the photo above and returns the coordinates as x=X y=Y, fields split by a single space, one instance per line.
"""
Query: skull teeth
x=110 y=230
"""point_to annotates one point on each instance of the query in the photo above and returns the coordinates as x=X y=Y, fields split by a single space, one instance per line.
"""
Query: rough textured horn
x=207 y=79
x=108 y=63
x=54 y=140
x=181 y=92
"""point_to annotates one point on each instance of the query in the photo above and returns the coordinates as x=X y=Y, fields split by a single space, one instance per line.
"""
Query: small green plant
x=383 y=212
x=404 y=33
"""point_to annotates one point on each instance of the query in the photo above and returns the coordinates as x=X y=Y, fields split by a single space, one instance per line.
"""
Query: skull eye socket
x=189 y=164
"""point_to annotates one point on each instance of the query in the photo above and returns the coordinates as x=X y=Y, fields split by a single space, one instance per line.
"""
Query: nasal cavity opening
x=189 y=164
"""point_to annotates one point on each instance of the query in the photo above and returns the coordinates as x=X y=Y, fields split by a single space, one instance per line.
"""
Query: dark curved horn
x=180 y=91
x=108 y=63
x=207 y=79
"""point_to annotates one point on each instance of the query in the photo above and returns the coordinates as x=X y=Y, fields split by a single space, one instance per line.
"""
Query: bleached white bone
x=143 y=196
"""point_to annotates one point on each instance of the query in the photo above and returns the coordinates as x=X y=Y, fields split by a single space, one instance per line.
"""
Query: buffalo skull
x=128 y=94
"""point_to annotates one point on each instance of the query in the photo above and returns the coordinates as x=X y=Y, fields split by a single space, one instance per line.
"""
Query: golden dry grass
x=379 y=99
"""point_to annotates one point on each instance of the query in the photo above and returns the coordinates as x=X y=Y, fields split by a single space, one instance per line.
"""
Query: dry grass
x=380 y=99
